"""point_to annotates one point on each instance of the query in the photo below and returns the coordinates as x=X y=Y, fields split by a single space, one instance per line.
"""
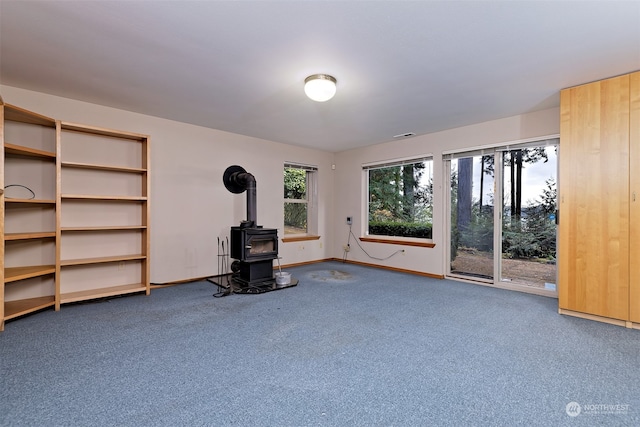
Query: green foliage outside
x=400 y=203
x=404 y=229
x=528 y=232
x=295 y=188
x=295 y=218
x=295 y=184
x=535 y=235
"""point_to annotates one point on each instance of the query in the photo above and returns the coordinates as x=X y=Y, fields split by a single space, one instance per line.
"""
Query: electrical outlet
x=349 y=221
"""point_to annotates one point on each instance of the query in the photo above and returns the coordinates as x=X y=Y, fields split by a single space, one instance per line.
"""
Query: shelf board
x=18 y=308
x=17 y=114
x=104 y=198
x=75 y=127
x=23 y=203
x=106 y=228
x=27 y=236
x=102 y=292
x=101 y=260
x=19 y=150
x=13 y=274
x=103 y=167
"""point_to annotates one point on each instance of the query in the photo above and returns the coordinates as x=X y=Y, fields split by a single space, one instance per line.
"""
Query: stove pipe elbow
x=237 y=180
x=252 y=215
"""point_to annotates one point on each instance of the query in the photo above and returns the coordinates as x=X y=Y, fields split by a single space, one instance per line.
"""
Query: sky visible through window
x=534 y=177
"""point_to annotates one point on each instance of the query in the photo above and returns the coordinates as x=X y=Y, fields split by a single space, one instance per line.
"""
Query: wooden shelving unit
x=29 y=271
x=102 y=169
x=85 y=232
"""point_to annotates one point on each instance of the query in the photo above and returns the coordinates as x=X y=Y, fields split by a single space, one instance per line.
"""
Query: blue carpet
x=350 y=345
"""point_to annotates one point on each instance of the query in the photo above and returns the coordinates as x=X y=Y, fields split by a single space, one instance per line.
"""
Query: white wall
x=190 y=208
x=350 y=188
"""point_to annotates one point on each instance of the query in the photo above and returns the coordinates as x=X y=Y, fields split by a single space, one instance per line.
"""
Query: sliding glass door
x=471 y=214
x=529 y=216
x=501 y=211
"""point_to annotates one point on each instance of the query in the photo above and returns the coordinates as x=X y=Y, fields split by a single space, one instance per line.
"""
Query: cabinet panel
x=634 y=254
x=594 y=199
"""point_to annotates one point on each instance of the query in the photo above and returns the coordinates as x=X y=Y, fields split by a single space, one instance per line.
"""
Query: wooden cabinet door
x=634 y=253
x=594 y=199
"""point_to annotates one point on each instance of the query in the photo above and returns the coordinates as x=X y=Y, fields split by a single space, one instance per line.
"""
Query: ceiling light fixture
x=320 y=87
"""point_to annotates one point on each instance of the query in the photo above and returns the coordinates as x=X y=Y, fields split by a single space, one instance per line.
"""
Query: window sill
x=299 y=238
x=398 y=241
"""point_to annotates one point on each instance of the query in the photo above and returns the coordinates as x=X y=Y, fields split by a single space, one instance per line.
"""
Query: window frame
x=400 y=240
x=311 y=201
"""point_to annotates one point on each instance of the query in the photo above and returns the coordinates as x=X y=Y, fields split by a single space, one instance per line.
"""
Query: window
x=400 y=198
x=300 y=214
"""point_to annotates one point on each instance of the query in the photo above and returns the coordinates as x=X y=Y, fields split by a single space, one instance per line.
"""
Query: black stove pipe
x=236 y=179
x=252 y=205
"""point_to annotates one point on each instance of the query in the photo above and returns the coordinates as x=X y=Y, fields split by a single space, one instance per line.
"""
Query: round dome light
x=320 y=87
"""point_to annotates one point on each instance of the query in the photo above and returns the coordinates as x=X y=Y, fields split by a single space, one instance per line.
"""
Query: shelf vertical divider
x=2 y=215
x=58 y=212
x=146 y=213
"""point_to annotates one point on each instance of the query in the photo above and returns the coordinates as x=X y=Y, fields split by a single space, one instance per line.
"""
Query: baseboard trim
x=180 y=282
x=384 y=267
x=602 y=319
x=298 y=264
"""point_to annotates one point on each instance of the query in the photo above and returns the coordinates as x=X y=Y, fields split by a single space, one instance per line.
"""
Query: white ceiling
x=239 y=66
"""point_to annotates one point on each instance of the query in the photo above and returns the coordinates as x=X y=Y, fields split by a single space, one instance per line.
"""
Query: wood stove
x=253 y=247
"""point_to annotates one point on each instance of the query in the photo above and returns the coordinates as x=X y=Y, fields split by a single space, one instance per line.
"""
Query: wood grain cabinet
x=599 y=236
x=74 y=212
x=634 y=211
